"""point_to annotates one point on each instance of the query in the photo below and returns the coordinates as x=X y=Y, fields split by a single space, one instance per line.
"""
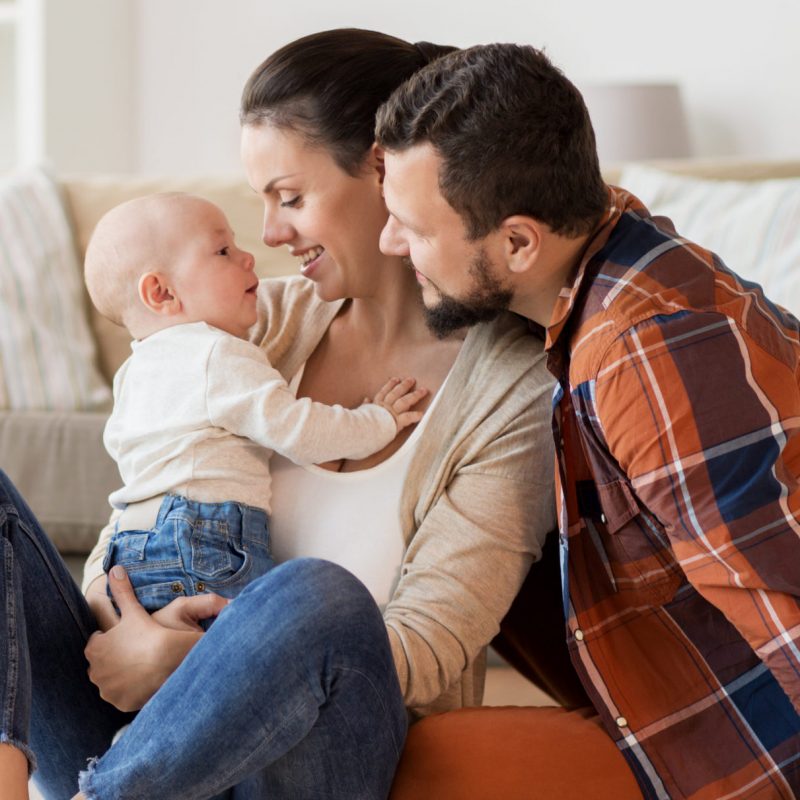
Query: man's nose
x=391 y=242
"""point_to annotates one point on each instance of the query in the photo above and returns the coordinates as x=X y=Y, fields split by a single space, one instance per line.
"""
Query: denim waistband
x=153 y=512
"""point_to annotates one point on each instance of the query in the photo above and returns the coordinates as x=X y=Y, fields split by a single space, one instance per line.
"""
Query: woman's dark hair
x=328 y=86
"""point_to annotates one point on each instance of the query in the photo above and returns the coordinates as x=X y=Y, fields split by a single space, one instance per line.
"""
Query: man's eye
x=290 y=203
x=223 y=252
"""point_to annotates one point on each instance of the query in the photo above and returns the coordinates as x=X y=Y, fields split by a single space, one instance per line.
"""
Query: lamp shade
x=636 y=121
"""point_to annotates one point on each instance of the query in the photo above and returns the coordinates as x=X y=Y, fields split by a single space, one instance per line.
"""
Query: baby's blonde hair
x=125 y=244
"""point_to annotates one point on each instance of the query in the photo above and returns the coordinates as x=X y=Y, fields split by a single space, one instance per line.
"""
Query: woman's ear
x=522 y=239
x=157 y=295
x=375 y=161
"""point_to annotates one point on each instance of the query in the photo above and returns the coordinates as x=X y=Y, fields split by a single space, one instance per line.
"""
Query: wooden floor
x=506 y=687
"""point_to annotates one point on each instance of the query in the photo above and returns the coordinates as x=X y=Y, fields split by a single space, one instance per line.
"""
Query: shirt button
x=622 y=722
x=177 y=587
x=579 y=634
x=603 y=519
x=201 y=587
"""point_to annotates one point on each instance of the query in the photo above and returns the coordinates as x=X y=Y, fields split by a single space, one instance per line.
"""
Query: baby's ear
x=157 y=294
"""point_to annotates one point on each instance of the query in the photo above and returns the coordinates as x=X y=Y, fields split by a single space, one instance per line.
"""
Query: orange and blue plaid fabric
x=677 y=424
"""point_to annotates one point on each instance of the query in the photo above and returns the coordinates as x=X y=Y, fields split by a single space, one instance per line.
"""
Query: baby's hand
x=397 y=397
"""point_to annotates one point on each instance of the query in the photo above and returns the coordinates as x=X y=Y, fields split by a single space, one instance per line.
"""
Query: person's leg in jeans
x=49 y=706
x=301 y=659
x=292 y=693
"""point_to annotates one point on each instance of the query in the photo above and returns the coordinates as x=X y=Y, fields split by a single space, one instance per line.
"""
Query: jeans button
x=201 y=587
x=177 y=587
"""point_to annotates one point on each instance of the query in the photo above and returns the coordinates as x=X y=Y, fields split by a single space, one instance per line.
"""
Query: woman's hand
x=131 y=660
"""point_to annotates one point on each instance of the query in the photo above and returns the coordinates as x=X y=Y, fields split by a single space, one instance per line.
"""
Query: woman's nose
x=275 y=233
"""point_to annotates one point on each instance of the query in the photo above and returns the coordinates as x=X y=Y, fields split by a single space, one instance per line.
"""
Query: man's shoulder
x=646 y=274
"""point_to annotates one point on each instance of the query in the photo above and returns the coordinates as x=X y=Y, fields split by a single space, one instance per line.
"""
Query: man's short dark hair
x=513 y=133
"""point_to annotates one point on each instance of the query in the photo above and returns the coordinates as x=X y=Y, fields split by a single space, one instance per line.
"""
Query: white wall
x=67 y=92
x=90 y=95
x=8 y=119
x=736 y=62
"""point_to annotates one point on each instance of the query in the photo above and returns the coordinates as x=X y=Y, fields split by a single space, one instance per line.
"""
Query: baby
x=197 y=408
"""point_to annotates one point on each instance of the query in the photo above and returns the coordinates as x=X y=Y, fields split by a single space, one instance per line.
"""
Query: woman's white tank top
x=350 y=518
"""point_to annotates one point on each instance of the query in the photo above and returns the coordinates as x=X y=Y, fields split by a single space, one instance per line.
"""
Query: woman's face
x=329 y=220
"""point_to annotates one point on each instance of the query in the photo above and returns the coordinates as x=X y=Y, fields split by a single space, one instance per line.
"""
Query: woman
x=302 y=683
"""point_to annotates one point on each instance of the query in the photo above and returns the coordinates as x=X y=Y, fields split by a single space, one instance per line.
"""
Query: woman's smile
x=310 y=260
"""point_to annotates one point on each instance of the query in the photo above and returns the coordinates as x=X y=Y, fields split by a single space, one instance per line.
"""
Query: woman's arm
x=483 y=510
x=93 y=585
x=93 y=568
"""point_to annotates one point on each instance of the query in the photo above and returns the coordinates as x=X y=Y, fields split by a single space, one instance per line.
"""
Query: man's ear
x=375 y=161
x=522 y=239
x=157 y=295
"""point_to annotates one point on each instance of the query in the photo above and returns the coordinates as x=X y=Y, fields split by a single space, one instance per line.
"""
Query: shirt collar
x=618 y=203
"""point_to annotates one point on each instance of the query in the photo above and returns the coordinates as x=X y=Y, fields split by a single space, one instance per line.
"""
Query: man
x=675 y=416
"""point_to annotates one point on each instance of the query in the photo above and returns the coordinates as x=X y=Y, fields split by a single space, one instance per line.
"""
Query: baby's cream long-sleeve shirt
x=198 y=412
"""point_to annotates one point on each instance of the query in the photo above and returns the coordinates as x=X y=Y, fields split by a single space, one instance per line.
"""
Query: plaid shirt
x=677 y=425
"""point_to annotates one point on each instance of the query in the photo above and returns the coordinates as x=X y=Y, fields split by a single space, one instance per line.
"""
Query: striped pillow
x=47 y=354
x=754 y=226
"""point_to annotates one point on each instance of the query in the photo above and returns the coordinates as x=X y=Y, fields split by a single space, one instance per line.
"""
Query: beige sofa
x=57 y=458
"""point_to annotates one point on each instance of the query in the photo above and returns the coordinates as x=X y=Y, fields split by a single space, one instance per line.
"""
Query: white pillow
x=754 y=226
x=47 y=354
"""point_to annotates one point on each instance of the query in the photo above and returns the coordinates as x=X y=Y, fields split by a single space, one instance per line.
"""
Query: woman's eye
x=224 y=251
x=290 y=203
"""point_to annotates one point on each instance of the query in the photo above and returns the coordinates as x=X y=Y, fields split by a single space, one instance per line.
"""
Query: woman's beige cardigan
x=477 y=502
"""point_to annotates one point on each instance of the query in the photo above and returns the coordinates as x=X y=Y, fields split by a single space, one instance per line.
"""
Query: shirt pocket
x=639 y=554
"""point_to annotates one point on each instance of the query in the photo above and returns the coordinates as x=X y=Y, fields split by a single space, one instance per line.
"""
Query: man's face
x=461 y=283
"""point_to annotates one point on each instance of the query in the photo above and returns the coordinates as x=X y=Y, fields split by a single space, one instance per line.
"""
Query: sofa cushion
x=752 y=225
x=47 y=353
x=58 y=463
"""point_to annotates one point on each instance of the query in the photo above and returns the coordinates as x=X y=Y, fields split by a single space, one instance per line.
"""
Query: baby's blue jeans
x=193 y=548
x=292 y=693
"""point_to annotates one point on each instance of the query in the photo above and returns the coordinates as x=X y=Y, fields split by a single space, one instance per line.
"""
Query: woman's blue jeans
x=291 y=694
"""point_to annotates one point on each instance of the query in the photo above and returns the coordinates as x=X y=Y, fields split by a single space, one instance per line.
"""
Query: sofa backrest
x=723 y=169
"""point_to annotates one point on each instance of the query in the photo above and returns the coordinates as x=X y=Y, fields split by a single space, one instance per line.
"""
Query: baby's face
x=213 y=278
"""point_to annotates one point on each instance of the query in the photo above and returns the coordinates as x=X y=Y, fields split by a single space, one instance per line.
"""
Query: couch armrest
x=59 y=464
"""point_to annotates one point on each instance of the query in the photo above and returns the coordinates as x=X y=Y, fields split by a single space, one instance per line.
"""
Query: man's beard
x=487 y=300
